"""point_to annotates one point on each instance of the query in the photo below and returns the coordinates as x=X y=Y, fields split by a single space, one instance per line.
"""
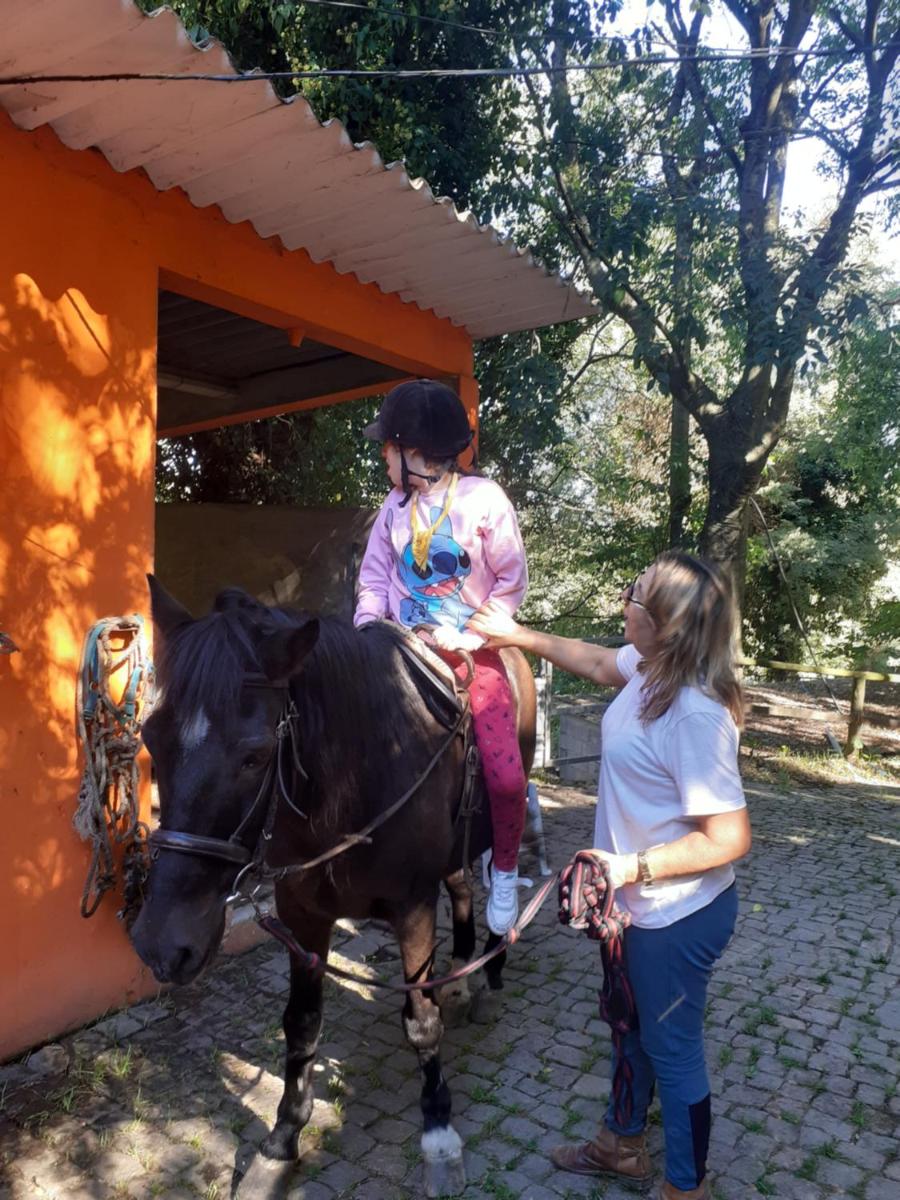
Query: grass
x=591 y=1058
x=808 y=1168
x=571 y=1120
x=752 y=1059
x=787 y=1061
x=120 y=1063
x=496 y=1187
x=782 y=767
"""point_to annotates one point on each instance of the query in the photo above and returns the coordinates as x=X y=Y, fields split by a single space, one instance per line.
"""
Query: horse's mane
x=354 y=704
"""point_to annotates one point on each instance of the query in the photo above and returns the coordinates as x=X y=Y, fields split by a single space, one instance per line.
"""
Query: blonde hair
x=691 y=605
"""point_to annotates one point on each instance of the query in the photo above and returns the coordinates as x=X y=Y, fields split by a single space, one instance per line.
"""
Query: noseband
x=273 y=787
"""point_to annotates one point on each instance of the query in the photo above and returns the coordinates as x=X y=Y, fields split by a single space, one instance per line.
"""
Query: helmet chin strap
x=405 y=473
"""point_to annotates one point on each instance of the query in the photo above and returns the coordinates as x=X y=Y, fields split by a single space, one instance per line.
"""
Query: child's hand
x=448 y=638
x=495 y=625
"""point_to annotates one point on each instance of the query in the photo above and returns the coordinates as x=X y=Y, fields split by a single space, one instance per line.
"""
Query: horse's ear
x=168 y=614
x=281 y=654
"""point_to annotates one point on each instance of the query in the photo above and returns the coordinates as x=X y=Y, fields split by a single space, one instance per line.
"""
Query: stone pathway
x=169 y=1098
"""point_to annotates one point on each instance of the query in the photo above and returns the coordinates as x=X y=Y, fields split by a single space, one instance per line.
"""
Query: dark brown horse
x=363 y=730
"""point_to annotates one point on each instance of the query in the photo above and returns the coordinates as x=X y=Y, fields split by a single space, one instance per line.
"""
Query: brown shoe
x=668 y=1192
x=608 y=1154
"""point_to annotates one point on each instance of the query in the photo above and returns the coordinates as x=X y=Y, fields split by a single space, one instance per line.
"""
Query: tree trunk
x=679 y=474
x=731 y=482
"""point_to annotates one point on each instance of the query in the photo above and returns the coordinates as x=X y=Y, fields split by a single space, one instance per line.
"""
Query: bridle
x=272 y=788
x=252 y=862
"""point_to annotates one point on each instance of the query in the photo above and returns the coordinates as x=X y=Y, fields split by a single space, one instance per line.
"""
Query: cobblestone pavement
x=169 y=1098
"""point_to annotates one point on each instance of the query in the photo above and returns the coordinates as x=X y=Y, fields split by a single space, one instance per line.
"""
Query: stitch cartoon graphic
x=434 y=589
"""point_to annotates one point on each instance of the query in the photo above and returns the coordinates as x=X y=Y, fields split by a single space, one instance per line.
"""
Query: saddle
x=447 y=699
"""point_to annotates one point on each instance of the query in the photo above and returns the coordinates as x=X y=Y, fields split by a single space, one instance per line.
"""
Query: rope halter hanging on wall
x=109 y=731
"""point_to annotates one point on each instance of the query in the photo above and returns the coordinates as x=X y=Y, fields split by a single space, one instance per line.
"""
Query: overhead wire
x=617 y=64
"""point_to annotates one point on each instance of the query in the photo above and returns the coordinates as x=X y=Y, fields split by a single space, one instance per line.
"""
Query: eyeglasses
x=627 y=597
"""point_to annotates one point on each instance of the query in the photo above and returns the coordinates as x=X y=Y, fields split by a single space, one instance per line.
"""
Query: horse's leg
x=455 y=998
x=488 y=1001
x=441 y=1144
x=302 y=1026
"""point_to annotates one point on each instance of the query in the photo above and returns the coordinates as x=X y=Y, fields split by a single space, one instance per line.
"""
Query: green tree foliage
x=832 y=498
x=667 y=182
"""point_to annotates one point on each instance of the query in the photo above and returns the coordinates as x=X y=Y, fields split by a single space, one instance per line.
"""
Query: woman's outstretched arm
x=597 y=663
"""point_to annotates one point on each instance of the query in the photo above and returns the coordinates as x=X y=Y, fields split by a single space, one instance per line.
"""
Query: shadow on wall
x=77 y=425
x=304 y=558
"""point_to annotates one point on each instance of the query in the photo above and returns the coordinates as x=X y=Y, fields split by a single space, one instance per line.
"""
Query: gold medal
x=421 y=538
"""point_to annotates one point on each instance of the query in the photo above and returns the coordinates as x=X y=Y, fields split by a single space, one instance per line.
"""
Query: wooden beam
x=268 y=392
x=807 y=669
x=376 y=389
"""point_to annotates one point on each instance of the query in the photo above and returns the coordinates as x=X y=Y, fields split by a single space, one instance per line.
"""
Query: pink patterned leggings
x=494 y=721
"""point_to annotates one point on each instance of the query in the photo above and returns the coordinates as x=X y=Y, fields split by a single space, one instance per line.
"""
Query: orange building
x=176 y=255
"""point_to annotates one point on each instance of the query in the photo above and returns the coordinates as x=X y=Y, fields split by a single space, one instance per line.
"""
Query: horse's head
x=223 y=686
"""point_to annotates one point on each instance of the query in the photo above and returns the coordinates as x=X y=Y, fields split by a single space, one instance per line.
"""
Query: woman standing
x=671 y=819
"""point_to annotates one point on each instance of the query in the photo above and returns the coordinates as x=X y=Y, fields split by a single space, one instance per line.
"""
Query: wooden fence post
x=543 y=683
x=857 y=716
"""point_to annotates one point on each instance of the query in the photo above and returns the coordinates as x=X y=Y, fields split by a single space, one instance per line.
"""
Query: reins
x=317 y=967
x=586 y=895
x=587 y=902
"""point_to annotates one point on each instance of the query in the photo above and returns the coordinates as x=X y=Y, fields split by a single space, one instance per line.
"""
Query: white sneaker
x=503 y=901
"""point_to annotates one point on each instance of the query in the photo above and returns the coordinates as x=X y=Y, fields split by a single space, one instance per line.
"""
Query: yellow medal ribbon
x=421 y=538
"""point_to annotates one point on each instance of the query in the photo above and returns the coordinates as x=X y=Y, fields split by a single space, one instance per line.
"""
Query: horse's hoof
x=267 y=1179
x=446 y=1177
x=455 y=1000
x=486 y=1007
x=442 y=1163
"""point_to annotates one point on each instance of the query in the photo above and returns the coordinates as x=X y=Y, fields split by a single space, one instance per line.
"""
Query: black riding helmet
x=423 y=415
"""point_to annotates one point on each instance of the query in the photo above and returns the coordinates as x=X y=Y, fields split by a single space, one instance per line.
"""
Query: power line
x=377 y=11
x=447 y=72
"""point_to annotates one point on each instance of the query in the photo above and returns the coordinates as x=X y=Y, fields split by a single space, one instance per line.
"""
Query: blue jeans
x=669 y=971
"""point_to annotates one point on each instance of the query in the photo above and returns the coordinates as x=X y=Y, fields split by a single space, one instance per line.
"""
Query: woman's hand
x=496 y=626
x=623 y=868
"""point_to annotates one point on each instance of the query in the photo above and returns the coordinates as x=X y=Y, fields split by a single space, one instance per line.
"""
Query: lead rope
x=587 y=901
x=109 y=732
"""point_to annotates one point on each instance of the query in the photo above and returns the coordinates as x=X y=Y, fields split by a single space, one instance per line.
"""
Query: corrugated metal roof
x=267 y=161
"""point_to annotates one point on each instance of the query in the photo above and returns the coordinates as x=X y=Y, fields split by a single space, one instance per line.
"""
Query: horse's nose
x=177 y=964
x=170 y=962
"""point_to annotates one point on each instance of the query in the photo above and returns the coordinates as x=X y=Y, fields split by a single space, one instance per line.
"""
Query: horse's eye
x=252 y=762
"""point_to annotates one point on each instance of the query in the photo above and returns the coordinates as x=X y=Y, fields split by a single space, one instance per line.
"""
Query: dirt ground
x=797 y=742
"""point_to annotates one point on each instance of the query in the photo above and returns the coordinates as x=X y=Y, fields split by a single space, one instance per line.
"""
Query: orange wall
x=82 y=254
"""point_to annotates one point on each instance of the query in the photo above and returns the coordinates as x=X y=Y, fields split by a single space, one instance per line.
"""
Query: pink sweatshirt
x=476 y=554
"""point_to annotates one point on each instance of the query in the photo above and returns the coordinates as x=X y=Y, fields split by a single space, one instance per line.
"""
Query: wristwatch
x=646 y=875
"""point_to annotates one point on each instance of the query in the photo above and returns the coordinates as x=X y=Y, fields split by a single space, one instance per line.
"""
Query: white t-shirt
x=654 y=779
